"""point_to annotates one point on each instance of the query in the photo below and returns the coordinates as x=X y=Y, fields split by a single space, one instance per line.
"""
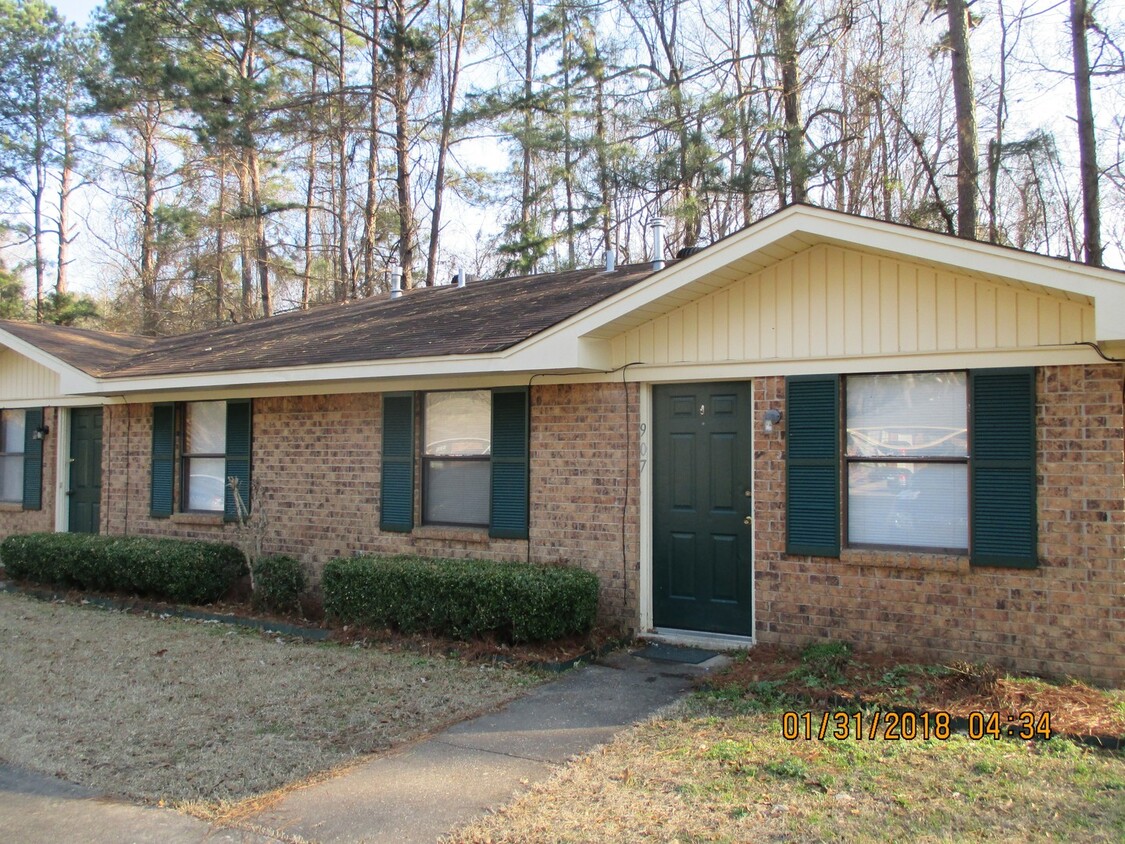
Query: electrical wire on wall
x=628 y=473
x=128 y=462
x=1098 y=349
x=529 y=508
x=628 y=467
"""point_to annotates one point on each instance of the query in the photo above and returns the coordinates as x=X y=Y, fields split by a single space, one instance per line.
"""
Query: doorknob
x=748 y=520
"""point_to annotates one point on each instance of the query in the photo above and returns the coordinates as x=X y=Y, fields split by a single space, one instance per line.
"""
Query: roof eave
x=558 y=359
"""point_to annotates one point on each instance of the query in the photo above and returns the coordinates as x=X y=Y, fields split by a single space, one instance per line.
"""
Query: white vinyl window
x=205 y=446
x=12 y=423
x=907 y=460
x=456 y=458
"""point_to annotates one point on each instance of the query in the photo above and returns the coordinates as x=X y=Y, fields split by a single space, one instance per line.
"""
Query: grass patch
x=709 y=772
x=204 y=714
x=719 y=768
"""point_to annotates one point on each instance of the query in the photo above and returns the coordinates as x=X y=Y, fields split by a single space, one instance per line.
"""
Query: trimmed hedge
x=279 y=581
x=461 y=598
x=180 y=570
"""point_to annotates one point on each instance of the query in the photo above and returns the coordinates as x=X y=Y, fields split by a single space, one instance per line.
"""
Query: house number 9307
x=642 y=448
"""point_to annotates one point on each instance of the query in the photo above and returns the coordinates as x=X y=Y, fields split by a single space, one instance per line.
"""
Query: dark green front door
x=85 y=490
x=701 y=550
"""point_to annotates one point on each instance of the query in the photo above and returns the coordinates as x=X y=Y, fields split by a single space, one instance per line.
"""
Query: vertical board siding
x=830 y=301
x=21 y=378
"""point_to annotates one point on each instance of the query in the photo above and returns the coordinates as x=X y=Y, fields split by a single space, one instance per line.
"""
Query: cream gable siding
x=830 y=302
x=24 y=380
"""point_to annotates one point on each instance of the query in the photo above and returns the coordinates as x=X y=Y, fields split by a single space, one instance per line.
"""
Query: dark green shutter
x=396 y=488
x=163 y=459
x=812 y=467
x=1002 y=461
x=509 y=464
x=239 y=444
x=32 y=460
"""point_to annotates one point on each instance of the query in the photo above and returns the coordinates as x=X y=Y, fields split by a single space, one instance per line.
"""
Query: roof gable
x=787 y=232
x=830 y=301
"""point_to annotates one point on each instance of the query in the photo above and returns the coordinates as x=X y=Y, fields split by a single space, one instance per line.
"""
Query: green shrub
x=180 y=570
x=278 y=583
x=461 y=598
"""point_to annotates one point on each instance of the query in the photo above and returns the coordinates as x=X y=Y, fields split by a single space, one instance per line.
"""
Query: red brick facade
x=316 y=464
x=1065 y=617
x=316 y=461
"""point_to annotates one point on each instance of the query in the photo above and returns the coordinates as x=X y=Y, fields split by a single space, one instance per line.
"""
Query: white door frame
x=645 y=581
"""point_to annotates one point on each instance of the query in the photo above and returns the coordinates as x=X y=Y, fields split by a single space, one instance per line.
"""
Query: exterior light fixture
x=41 y=432
x=770 y=418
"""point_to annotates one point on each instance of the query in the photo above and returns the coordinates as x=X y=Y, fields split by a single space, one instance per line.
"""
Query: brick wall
x=15 y=519
x=580 y=477
x=1065 y=617
x=316 y=465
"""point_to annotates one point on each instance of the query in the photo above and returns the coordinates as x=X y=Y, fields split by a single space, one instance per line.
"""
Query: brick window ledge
x=917 y=560
x=10 y=507
x=452 y=534
x=215 y=519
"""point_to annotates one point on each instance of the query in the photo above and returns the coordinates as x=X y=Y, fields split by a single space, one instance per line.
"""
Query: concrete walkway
x=415 y=793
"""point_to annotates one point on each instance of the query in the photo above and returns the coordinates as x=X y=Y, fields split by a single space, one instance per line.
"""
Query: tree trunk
x=347 y=279
x=965 y=105
x=402 y=149
x=787 y=56
x=528 y=91
x=1080 y=21
x=245 y=245
x=443 y=147
x=149 y=314
x=66 y=187
x=371 y=203
x=220 y=241
x=261 y=248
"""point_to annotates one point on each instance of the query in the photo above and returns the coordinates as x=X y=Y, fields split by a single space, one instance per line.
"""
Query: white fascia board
x=500 y=363
x=71 y=378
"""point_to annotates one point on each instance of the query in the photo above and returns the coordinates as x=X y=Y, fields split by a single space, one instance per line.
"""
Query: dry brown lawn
x=719 y=767
x=163 y=710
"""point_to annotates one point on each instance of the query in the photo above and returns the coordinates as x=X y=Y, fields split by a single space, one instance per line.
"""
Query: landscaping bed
x=831 y=676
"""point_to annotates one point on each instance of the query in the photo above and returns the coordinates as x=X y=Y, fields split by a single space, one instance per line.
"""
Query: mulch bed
x=897 y=681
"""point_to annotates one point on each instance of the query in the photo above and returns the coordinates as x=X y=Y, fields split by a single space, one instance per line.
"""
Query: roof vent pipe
x=657 y=226
x=461 y=277
x=396 y=281
x=610 y=260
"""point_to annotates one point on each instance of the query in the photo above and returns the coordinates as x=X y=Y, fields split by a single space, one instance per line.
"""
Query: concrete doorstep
x=416 y=793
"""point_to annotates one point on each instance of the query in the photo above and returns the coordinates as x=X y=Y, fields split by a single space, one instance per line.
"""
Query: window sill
x=197 y=519
x=905 y=559
x=10 y=507
x=452 y=534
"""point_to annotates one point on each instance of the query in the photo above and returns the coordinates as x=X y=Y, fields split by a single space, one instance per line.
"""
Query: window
x=456 y=465
x=206 y=444
x=12 y=438
x=937 y=461
x=473 y=460
x=907 y=456
x=205 y=460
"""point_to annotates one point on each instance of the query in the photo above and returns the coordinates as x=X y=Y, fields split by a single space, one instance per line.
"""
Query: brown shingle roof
x=93 y=352
x=483 y=317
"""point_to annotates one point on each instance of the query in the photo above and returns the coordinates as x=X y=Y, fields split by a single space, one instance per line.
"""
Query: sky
x=76 y=11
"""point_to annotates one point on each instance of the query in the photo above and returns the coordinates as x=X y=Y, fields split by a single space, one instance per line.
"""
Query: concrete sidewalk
x=411 y=794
